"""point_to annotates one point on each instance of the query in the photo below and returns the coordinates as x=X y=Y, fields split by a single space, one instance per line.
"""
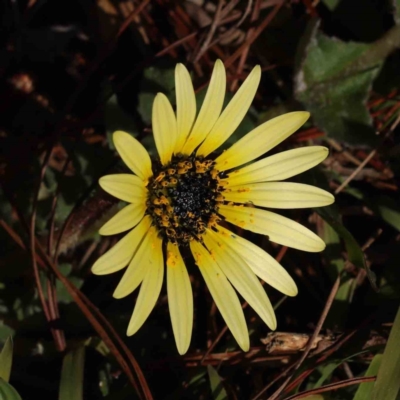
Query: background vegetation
x=73 y=71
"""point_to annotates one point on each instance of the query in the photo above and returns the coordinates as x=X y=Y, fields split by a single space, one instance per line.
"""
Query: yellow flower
x=183 y=200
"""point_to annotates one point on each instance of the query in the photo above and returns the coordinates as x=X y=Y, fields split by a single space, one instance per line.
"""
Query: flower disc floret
x=183 y=198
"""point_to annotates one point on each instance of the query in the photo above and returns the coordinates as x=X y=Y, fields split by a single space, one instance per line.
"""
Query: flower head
x=184 y=200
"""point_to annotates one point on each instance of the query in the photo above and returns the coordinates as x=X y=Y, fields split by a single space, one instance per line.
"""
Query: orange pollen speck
x=171 y=259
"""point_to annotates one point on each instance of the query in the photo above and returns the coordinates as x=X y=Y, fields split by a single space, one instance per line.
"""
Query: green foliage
x=7 y=392
x=387 y=383
x=5 y=332
x=6 y=360
x=333 y=85
x=71 y=384
x=331 y=4
x=217 y=387
x=388 y=209
x=364 y=391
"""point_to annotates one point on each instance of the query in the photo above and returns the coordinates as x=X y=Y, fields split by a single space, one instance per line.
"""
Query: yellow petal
x=261 y=139
x=126 y=187
x=134 y=155
x=119 y=256
x=260 y=262
x=149 y=290
x=279 y=166
x=223 y=294
x=142 y=260
x=185 y=105
x=233 y=114
x=180 y=298
x=241 y=277
x=210 y=109
x=125 y=219
x=282 y=195
x=164 y=127
x=279 y=229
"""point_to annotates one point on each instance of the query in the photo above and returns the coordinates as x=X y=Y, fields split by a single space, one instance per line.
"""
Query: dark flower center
x=183 y=198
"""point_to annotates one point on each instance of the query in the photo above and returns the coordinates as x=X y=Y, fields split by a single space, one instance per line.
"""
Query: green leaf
x=388 y=209
x=364 y=391
x=6 y=360
x=387 y=383
x=327 y=371
x=71 y=385
x=5 y=332
x=98 y=345
x=7 y=392
x=217 y=389
x=331 y=4
x=333 y=91
x=354 y=252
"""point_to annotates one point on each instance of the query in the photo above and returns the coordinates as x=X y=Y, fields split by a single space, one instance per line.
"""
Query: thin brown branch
x=230 y=60
x=54 y=208
x=243 y=57
x=333 y=386
x=131 y=17
x=50 y=310
x=211 y=32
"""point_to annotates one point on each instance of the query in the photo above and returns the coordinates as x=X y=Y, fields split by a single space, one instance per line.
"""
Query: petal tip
x=161 y=95
x=245 y=344
x=130 y=332
x=118 y=295
x=257 y=69
x=293 y=291
x=102 y=181
x=273 y=327
x=118 y=134
x=330 y=199
x=256 y=73
x=321 y=246
x=96 y=269
x=106 y=230
x=305 y=114
x=103 y=232
x=132 y=329
x=182 y=348
x=325 y=152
